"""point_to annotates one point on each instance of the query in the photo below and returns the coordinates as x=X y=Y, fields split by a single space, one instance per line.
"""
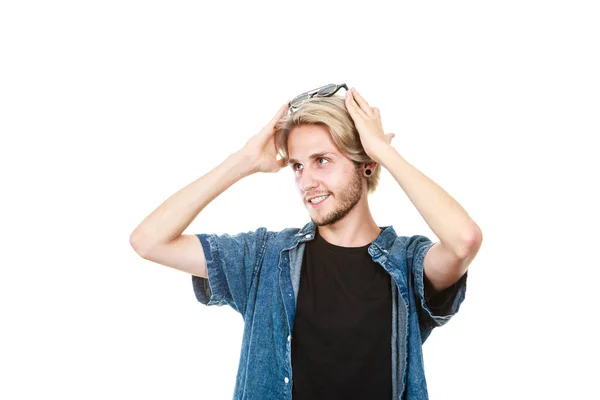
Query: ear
x=372 y=166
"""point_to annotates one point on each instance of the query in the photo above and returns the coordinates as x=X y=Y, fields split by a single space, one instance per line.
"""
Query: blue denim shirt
x=258 y=275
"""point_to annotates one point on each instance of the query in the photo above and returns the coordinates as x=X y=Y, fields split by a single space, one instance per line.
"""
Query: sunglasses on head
x=323 y=91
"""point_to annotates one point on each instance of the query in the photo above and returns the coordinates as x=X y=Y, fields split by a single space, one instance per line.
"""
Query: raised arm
x=159 y=236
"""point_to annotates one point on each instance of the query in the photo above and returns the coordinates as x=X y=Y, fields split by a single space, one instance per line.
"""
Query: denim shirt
x=258 y=275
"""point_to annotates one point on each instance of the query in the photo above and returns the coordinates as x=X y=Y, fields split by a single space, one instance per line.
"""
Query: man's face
x=320 y=169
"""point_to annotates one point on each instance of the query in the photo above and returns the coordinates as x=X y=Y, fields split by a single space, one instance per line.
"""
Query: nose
x=307 y=181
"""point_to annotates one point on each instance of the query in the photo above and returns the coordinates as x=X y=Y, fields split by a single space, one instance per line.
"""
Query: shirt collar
x=384 y=241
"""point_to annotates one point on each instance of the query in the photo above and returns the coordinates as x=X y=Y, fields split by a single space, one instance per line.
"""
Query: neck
x=356 y=229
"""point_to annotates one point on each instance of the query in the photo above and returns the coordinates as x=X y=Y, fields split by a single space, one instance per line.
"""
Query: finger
x=352 y=106
x=361 y=102
x=282 y=163
x=354 y=109
x=282 y=110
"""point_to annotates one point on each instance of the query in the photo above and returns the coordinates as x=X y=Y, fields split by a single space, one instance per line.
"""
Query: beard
x=346 y=201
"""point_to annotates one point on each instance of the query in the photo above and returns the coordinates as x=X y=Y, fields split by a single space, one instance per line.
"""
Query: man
x=343 y=303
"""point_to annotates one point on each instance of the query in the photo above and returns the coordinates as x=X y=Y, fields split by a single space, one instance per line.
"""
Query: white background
x=108 y=108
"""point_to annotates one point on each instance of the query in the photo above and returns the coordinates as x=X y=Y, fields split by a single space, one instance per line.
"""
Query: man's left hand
x=368 y=123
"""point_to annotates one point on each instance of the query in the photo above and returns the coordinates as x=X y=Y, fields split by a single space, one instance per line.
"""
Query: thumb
x=282 y=163
x=390 y=136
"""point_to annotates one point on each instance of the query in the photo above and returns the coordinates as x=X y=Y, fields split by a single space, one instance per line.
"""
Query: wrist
x=243 y=163
x=382 y=152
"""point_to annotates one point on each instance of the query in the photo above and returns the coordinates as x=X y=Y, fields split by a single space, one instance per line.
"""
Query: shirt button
x=286 y=380
x=308 y=236
x=289 y=338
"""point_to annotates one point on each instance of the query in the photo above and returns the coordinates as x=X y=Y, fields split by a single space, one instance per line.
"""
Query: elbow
x=136 y=243
x=471 y=243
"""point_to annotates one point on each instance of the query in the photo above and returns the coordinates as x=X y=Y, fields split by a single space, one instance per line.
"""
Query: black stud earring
x=368 y=172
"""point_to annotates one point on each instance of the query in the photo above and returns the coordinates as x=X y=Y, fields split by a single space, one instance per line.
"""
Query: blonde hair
x=331 y=113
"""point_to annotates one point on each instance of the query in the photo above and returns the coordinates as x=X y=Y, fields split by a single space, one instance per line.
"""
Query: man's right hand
x=260 y=149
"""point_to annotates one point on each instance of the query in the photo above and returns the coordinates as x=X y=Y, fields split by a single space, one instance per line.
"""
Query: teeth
x=318 y=199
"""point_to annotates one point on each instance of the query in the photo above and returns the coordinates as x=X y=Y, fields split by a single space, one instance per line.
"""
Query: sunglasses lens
x=327 y=90
x=299 y=99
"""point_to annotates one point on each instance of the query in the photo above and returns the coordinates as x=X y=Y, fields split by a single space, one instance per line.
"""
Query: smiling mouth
x=318 y=203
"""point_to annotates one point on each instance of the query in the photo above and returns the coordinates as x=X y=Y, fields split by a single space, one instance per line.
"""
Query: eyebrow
x=312 y=156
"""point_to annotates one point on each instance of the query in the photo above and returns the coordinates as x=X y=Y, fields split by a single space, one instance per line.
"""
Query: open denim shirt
x=258 y=274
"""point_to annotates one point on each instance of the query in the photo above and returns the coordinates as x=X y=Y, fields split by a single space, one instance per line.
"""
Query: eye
x=296 y=164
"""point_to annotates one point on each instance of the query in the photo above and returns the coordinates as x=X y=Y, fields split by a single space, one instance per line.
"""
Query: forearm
x=174 y=215
x=444 y=215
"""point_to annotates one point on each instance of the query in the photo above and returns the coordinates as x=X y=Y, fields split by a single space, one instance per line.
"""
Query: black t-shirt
x=341 y=343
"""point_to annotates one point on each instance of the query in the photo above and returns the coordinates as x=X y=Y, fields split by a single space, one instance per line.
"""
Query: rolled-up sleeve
x=231 y=264
x=444 y=305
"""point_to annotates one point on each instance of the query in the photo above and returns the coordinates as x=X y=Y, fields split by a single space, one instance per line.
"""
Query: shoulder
x=261 y=234
x=285 y=236
x=392 y=242
x=405 y=248
x=412 y=242
x=293 y=234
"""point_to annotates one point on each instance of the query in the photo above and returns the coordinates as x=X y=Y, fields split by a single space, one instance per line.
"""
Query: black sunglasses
x=323 y=91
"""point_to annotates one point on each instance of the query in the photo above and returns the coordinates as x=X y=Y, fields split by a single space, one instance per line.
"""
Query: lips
x=319 y=203
x=314 y=197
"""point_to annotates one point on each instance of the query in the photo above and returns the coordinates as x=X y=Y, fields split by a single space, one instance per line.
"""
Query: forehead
x=307 y=139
